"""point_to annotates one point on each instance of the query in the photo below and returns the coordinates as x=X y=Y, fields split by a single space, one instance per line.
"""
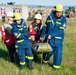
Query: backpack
x=7 y=38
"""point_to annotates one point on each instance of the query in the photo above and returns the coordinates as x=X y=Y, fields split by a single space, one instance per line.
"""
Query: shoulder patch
x=64 y=25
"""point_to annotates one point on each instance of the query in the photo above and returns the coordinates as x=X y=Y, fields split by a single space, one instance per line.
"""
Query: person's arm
x=22 y=32
x=46 y=27
x=43 y=31
x=61 y=29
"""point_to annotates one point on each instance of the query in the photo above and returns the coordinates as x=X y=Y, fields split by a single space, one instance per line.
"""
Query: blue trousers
x=57 y=51
x=25 y=56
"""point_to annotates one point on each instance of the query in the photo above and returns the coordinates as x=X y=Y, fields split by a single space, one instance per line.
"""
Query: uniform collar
x=21 y=24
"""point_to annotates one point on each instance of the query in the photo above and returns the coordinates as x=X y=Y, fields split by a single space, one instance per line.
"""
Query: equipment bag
x=41 y=47
x=7 y=37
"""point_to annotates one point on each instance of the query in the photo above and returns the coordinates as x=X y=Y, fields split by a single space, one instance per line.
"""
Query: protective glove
x=15 y=33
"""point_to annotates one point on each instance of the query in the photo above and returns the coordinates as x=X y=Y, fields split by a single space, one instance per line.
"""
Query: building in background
x=23 y=9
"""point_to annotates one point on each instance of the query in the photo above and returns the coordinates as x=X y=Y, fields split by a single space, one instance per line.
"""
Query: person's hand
x=32 y=38
x=49 y=37
x=15 y=33
x=41 y=39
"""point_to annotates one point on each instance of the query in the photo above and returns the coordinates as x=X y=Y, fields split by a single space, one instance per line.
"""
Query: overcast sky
x=42 y=2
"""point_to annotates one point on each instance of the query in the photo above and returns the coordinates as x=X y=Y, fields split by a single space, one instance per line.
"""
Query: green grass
x=1 y=23
x=68 y=66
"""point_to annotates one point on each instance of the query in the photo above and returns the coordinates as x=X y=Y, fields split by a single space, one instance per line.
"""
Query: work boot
x=57 y=69
x=30 y=67
x=22 y=67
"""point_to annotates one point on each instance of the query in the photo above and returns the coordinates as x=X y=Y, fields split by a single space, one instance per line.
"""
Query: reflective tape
x=29 y=57
x=45 y=25
x=20 y=29
x=55 y=66
x=20 y=41
x=25 y=26
x=49 y=21
x=26 y=56
x=58 y=37
x=62 y=28
x=22 y=63
x=18 y=35
x=16 y=46
x=58 y=23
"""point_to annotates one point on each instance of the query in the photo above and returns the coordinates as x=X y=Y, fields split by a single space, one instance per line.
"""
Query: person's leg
x=21 y=54
x=49 y=54
x=14 y=51
x=35 y=57
x=44 y=56
x=29 y=57
x=57 y=57
x=11 y=51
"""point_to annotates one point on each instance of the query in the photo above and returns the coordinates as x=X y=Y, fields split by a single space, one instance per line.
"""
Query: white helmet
x=38 y=16
x=10 y=14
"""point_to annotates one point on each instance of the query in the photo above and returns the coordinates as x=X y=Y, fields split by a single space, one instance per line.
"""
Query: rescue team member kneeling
x=54 y=29
x=22 y=43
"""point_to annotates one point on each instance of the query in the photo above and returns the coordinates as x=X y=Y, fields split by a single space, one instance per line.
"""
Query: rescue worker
x=22 y=42
x=34 y=30
x=7 y=37
x=54 y=28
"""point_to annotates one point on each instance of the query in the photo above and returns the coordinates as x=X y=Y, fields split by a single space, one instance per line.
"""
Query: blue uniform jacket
x=20 y=31
x=55 y=28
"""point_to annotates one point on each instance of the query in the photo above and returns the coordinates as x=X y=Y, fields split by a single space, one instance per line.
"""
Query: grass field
x=68 y=66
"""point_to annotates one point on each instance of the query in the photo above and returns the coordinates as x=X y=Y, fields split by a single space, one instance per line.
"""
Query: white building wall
x=24 y=9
